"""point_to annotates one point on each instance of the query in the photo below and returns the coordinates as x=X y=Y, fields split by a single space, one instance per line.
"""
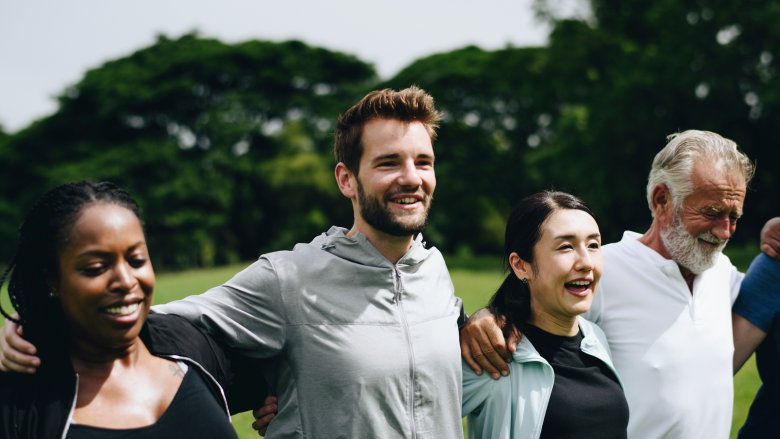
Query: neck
x=93 y=360
x=391 y=247
x=652 y=239
x=556 y=325
x=688 y=276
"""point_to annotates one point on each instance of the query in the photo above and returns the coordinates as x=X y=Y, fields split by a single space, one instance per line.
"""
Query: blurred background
x=225 y=136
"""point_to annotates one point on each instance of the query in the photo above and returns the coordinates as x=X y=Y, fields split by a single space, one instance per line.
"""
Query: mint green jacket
x=513 y=407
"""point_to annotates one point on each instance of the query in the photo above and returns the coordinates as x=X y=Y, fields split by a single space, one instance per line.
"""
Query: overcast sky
x=46 y=45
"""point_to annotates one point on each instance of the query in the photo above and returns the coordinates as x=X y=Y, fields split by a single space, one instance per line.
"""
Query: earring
x=53 y=294
x=524 y=280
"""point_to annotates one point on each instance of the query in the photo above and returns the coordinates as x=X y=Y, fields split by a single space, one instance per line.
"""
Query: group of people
x=358 y=333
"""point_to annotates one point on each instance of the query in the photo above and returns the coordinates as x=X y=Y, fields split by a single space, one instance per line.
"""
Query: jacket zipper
x=187 y=360
x=405 y=328
x=72 y=408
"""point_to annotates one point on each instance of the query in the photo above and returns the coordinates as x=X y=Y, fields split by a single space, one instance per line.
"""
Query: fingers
x=482 y=345
x=513 y=339
x=16 y=353
x=265 y=414
x=770 y=238
x=770 y=251
x=465 y=352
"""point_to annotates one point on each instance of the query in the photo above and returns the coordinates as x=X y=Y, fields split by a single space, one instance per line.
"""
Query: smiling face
x=394 y=186
x=697 y=232
x=566 y=269
x=105 y=279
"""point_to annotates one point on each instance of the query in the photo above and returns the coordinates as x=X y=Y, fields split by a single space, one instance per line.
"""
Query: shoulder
x=761 y=287
x=34 y=405
x=628 y=245
x=170 y=334
x=764 y=266
x=482 y=389
x=166 y=330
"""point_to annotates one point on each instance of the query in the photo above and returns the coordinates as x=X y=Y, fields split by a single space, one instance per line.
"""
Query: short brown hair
x=411 y=104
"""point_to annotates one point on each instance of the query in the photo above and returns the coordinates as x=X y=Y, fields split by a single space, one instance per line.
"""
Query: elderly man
x=665 y=298
x=362 y=321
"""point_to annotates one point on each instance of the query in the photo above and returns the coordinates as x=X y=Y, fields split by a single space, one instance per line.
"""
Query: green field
x=474 y=279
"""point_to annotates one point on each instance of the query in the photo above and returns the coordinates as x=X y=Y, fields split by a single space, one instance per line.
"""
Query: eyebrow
x=396 y=155
x=104 y=253
x=571 y=237
x=720 y=210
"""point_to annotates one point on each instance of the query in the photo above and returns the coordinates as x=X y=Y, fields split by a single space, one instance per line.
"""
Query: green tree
x=632 y=73
x=226 y=146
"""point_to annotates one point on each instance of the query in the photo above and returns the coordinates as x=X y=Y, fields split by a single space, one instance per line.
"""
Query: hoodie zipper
x=405 y=329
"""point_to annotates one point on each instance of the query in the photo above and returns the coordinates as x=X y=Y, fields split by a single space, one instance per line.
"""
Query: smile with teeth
x=123 y=309
x=406 y=200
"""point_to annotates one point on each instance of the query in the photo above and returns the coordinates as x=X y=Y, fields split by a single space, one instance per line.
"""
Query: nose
x=124 y=279
x=584 y=261
x=724 y=228
x=409 y=175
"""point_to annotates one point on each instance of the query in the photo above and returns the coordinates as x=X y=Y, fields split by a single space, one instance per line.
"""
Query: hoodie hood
x=357 y=249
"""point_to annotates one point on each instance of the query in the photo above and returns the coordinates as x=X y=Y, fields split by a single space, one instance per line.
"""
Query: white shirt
x=672 y=349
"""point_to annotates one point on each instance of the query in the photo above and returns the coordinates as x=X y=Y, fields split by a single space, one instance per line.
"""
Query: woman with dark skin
x=562 y=382
x=82 y=284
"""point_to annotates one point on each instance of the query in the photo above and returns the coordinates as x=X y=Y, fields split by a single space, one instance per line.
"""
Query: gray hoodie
x=365 y=348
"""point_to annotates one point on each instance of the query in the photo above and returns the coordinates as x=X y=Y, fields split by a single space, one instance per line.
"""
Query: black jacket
x=38 y=406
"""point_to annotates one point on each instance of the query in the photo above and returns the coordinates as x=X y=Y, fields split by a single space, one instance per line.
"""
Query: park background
x=227 y=145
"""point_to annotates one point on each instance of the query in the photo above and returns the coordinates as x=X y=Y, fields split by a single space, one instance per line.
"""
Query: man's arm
x=770 y=238
x=757 y=306
x=483 y=346
x=747 y=337
x=246 y=313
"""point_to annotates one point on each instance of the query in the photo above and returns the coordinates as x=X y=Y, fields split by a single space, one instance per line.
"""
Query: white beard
x=687 y=251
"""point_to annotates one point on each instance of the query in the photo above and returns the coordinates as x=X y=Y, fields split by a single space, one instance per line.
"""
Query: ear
x=662 y=202
x=521 y=268
x=346 y=180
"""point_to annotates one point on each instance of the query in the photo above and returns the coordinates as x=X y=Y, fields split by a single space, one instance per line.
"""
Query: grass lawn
x=474 y=280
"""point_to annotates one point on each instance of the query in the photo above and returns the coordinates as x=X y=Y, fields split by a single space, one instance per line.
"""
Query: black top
x=37 y=406
x=193 y=413
x=586 y=399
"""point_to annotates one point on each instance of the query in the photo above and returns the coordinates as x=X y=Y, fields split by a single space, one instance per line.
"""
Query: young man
x=361 y=321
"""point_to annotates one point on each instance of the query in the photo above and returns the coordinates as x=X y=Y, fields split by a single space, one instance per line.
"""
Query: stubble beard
x=381 y=218
x=686 y=250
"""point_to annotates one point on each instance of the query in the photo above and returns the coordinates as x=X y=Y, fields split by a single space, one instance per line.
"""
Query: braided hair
x=42 y=235
x=512 y=300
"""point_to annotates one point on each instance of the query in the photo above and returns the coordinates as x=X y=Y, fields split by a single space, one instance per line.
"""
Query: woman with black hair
x=562 y=383
x=82 y=283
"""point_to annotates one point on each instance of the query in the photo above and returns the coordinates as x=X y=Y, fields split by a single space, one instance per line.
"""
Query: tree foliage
x=642 y=71
x=228 y=146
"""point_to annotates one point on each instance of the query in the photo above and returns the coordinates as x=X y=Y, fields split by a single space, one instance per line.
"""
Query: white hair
x=673 y=165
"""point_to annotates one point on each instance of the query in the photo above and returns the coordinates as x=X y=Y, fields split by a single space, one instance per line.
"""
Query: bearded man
x=665 y=297
x=362 y=322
